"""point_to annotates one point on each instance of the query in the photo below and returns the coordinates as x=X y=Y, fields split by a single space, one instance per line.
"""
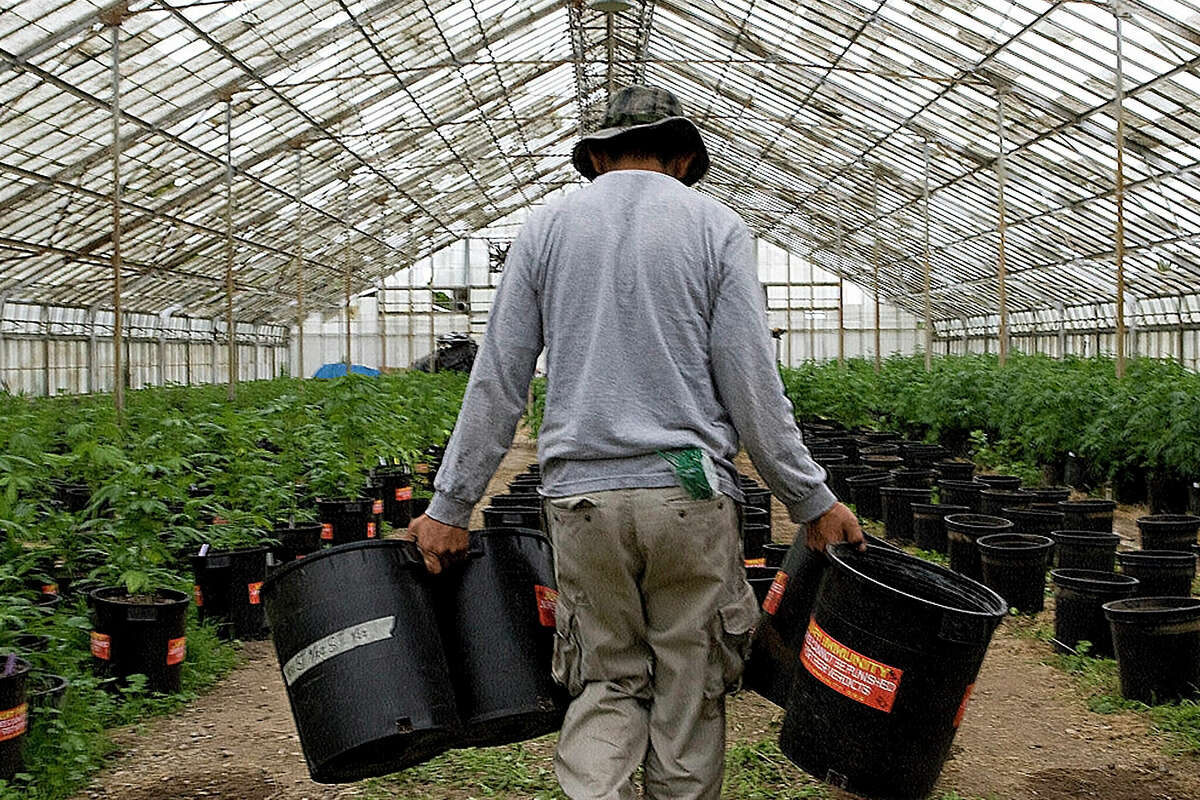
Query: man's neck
x=648 y=164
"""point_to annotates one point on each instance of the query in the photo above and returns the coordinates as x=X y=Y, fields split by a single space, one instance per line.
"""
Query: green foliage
x=516 y=770
x=759 y=771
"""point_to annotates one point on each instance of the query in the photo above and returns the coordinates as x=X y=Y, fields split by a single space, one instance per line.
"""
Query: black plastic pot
x=296 y=540
x=14 y=713
x=47 y=602
x=921 y=455
x=961 y=493
x=1032 y=520
x=760 y=498
x=228 y=591
x=864 y=490
x=355 y=629
x=1009 y=483
x=44 y=690
x=746 y=482
x=1075 y=471
x=144 y=635
x=992 y=502
x=955 y=470
x=1194 y=498
x=523 y=500
x=914 y=478
x=962 y=531
x=752 y=515
x=1047 y=498
x=1157 y=644
x=397 y=485
x=513 y=517
x=773 y=554
x=837 y=475
x=346 y=521
x=1129 y=486
x=897 y=504
x=73 y=497
x=879 y=437
x=754 y=538
x=1160 y=573
x=879 y=450
x=760 y=580
x=419 y=506
x=524 y=484
x=1014 y=565
x=1088 y=515
x=1079 y=597
x=31 y=643
x=827 y=458
x=498 y=625
x=1094 y=550
x=890 y=656
x=1168 y=531
x=886 y=463
x=1166 y=493
x=929 y=524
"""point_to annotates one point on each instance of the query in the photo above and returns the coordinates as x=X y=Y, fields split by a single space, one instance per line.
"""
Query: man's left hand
x=439 y=543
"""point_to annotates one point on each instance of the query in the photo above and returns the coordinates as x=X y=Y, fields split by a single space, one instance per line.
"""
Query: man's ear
x=599 y=162
x=681 y=165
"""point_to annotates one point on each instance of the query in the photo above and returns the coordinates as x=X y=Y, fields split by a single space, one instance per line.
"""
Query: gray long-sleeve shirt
x=644 y=295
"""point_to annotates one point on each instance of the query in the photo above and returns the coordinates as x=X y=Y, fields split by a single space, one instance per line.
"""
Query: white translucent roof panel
x=366 y=135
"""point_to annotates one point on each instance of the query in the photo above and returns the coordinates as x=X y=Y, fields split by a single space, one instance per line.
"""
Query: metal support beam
x=1120 y=11
x=1002 y=227
x=93 y=345
x=610 y=44
x=113 y=21
x=841 y=289
x=298 y=146
x=1062 y=330
x=925 y=284
x=875 y=268
x=44 y=320
x=231 y=326
x=1181 y=331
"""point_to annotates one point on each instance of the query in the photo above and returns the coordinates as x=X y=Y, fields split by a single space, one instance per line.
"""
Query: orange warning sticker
x=49 y=588
x=220 y=521
x=327 y=531
x=176 y=651
x=403 y=493
x=848 y=672
x=101 y=645
x=13 y=722
x=421 y=469
x=370 y=530
x=377 y=507
x=756 y=562
x=255 y=590
x=198 y=595
x=962 y=707
x=547 y=605
x=775 y=593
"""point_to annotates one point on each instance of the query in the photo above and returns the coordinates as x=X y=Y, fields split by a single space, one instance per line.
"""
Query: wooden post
x=1120 y=12
x=230 y=324
x=298 y=147
x=112 y=18
x=928 y=304
x=1001 y=228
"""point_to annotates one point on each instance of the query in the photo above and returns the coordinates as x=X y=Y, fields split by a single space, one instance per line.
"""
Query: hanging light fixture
x=610 y=6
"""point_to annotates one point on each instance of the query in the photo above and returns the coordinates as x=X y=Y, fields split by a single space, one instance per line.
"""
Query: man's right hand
x=439 y=543
x=838 y=524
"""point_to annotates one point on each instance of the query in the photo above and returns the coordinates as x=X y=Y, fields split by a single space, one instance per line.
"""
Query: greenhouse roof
x=368 y=134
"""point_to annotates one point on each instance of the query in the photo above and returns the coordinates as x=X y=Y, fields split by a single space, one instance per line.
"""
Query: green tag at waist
x=695 y=471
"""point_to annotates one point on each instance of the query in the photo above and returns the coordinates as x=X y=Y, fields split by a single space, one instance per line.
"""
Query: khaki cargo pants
x=653 y=625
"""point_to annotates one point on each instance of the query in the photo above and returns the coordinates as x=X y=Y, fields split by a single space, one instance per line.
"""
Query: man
x=644 y=295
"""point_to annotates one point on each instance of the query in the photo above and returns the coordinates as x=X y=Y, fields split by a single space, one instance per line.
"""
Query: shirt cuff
x=813 y=506
x=448 y=511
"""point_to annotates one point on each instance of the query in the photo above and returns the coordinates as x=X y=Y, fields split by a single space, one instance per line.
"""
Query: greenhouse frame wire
x=367 y=135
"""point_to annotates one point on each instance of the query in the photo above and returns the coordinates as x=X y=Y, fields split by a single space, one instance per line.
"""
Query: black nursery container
x=513 y=517
x=897 y=510
x=889 y=661
x=1168 y=531
x=346 y=521
x=1160 y=573
x=1079 y=597
x=1157 y=644
x=396 y=483
x=228 y=590
x=296 y=540
x=498 y=625
x=962 y=532
x=145 y=634
x=955 y=470
x=1088 y=515
x=1094 y=550
x=1033 y=520
x=760 y=498
x=961 y=493
x=1014 y=566
x=14 y=713
x=355 y=629
x=1008 y=483
x=864 y=490
x=929 y=524
x=837 y=475
x=992 y=502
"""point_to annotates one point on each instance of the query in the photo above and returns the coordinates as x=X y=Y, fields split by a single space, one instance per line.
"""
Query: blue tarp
x=338 y=370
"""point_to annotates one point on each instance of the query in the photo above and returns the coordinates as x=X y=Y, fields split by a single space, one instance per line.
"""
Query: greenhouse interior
x=249 y=253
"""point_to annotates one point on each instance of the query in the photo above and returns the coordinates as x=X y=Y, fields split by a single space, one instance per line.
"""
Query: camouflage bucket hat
x=641 y=108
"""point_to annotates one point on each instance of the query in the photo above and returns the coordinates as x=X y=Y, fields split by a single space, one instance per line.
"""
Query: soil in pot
x=1157 y=645
x=228 y=591
x=1094 y=550
x=140 y=634
x=1168 y=531
x=14 y=713
x=920 y=633
x=962 y=531
x=1014 y=565
x=1160 y=573
x=1079 y=597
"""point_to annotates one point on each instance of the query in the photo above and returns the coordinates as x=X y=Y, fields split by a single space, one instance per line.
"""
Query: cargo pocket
x=566 y=664
x=732 y=630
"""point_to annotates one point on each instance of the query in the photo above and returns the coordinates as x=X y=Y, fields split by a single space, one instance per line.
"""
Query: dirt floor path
x=1026 y=735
